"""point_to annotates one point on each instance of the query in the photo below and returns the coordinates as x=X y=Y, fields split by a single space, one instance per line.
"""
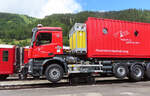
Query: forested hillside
x=16 y=29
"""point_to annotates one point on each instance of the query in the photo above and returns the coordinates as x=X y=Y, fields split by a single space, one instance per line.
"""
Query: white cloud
x=39 y=8
x=102 y=11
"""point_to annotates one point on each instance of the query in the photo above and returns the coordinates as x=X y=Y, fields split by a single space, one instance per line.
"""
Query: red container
x=108 y=38
x=7 y=59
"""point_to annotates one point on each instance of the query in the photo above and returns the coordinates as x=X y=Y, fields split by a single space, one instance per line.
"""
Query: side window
x=44 y=38
x=5 y=55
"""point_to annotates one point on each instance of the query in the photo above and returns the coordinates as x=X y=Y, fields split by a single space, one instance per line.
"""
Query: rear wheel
x=136 y=73
x=120 y=71
x=54 y=73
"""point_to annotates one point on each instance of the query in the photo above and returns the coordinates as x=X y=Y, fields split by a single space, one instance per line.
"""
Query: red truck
x=98 y=47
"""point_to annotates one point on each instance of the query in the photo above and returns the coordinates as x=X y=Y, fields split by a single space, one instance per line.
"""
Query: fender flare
x=59 y=59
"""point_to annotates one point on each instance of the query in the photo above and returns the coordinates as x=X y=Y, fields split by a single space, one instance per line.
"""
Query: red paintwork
x=26 y=59
x=120 y=42
x=7 y=67
x=56 y=28
x=43 y=51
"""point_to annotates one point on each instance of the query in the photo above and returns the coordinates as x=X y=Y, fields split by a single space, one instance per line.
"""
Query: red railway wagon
x=7 y=60
x=108 y=38
x=12 y=59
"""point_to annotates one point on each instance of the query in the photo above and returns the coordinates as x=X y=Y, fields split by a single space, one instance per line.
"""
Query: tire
x=147 y=72
x=120 y=71
x=136 y=73
x=3 y=77
x=54 y=73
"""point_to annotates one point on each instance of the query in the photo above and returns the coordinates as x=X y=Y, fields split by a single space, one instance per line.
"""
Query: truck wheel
x=120 y=71
x=54 y=73
x=147 y=72
x=136 y=73
x=3 y=77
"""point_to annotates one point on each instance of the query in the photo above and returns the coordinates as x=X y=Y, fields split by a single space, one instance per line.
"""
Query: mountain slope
x=14 y=26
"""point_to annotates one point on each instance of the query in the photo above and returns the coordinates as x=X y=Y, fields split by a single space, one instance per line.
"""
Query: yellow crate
x=70 y=40
x=84 y=40
x=81 y=39
x=78 y=40
x=74 y=41
x=77 y=37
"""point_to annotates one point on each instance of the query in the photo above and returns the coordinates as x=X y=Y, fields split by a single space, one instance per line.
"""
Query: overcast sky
x=42 y=8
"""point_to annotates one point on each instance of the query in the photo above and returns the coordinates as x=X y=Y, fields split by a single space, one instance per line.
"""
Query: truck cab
x=45 y=49
x=46 y=42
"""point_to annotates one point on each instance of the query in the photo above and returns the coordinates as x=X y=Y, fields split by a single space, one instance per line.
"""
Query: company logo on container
x=123 y=36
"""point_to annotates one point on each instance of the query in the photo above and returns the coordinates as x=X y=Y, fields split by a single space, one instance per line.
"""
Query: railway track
x=42 y=83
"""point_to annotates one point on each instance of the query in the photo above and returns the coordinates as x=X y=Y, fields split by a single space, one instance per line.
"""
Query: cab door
x=44 y=46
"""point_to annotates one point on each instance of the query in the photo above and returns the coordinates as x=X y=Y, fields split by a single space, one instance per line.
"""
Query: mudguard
x=59 y=59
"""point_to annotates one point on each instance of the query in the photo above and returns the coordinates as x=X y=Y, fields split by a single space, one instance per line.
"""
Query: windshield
x=44 y=38
x=34 y=30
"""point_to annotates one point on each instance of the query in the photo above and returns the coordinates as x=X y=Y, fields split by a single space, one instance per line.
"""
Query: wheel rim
x=54 y=73
x=121 y=70
x=138 y=72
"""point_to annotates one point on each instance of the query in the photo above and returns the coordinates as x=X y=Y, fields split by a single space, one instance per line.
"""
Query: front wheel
x=54 y=73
